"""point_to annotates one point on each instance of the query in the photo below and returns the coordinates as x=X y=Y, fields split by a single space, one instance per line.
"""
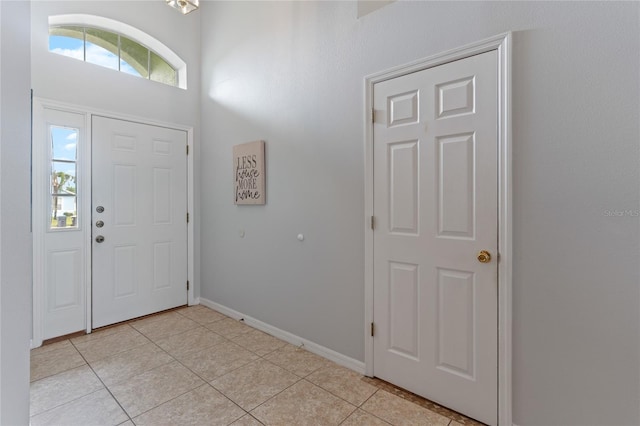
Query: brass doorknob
x=484 y=257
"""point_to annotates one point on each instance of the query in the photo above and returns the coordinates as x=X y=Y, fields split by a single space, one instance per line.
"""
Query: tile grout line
x=369 y=413
x=87 y=363
x=312 y=384
x=366 y=412
x=272 y=363
x=451 y=419
x=105 y=386
x=326 y=390
x=338 y=396
x=269 y=399
x=151 y=369
x=225 y=340
x=263 y=357
x=65 y=403
x=423 y=403
x=250 y=415
x=53 y=375
x=174 y=360
x=356 y=407
x=115 y=353
x=206 y=382
x=260 y=357
x=251 y=362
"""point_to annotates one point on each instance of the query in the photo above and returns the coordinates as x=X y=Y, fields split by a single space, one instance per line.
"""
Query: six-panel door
x=435 y=203
x=140 y=196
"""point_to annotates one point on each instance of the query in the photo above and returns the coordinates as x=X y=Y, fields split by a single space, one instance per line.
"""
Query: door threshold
x=64 y=337
x=83 y=333
x=138 y=318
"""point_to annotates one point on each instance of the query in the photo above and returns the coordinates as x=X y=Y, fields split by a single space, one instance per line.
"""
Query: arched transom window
x=115 y=45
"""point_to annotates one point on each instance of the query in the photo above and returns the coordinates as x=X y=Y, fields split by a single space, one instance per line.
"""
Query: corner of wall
x=331 y=355
x=15 y=242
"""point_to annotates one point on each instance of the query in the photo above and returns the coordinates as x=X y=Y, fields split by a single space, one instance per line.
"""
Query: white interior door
x=435 y=203
x=139 y=205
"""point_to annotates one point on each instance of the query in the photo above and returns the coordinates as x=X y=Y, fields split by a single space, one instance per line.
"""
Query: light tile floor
x=195 y=366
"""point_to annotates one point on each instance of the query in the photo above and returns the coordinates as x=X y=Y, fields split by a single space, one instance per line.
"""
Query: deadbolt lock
x=484 y=257
x=99 y=209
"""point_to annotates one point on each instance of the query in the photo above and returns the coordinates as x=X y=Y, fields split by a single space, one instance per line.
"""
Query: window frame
x=127 y=31
x=77 y=179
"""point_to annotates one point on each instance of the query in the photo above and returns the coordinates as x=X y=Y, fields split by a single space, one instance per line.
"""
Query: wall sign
x=248 y=170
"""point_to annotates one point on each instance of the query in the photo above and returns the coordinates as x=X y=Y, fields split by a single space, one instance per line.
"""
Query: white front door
x=436 y=209
x=139 y=219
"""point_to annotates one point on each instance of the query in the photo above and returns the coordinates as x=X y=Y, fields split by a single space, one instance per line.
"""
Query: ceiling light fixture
x=184 y=6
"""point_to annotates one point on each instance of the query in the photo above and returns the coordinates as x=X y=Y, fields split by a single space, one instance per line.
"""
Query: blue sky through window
x=64 y=147
x=64 y=143
x=73 y=48
x=67 y=46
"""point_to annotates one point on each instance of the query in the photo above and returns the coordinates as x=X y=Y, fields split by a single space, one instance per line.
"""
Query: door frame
x=38 y=203
x=502 y=44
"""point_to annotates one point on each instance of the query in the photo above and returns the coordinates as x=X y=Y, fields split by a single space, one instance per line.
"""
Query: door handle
x=484 y=257
x=99 y=239
x=99 y=224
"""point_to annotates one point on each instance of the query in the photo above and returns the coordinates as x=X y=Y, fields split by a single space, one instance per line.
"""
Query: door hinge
x=373 y=222
x=187 y=217
x=373 y=115
x=373 y=329
x=187 y=149
x=187 y=285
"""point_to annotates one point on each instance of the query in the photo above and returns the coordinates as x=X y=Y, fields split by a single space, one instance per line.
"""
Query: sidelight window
x=63 y=177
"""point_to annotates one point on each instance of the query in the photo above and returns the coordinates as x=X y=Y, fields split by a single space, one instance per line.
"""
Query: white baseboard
x=331 y=355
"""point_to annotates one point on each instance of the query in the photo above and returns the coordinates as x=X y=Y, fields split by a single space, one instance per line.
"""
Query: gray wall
x=292 y=73
x=15 y=234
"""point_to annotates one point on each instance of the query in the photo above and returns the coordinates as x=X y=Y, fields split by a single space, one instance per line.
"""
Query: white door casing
x=140 y=180
x=435 y=201
x=501 y=44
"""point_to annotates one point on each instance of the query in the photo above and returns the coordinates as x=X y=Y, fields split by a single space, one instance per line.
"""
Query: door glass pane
x=64 y=212
x=64 y=143
x=67 y=41
x=162 y=72
x=134 y=58
x=62 y=179
x=102 y=48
